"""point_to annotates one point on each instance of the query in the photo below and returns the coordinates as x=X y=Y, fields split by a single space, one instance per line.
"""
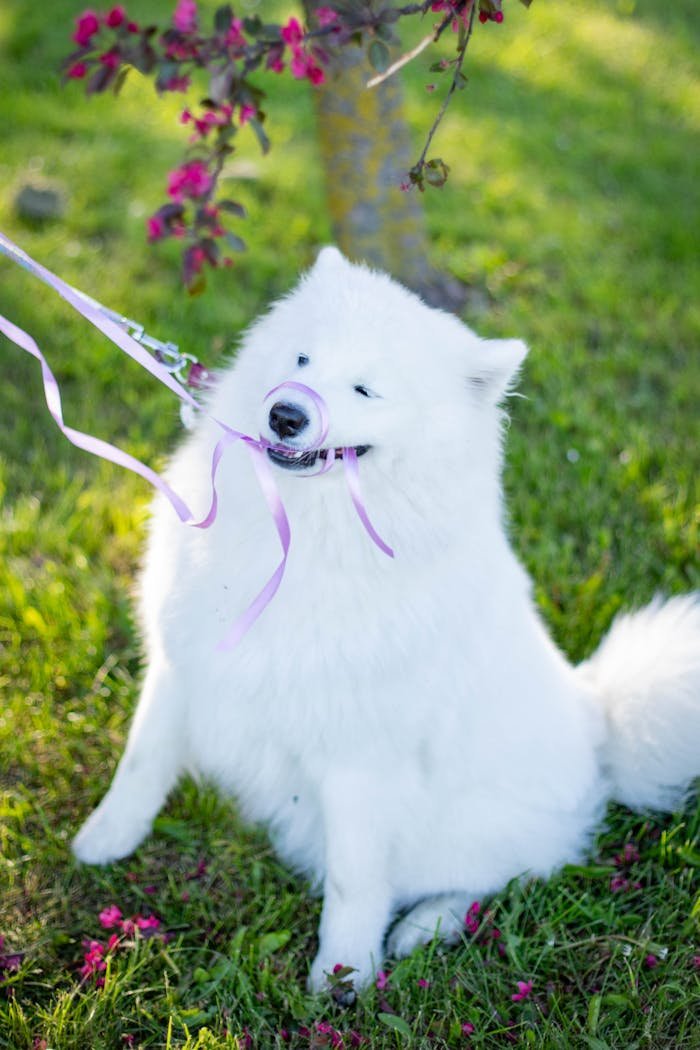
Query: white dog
x=405 y=728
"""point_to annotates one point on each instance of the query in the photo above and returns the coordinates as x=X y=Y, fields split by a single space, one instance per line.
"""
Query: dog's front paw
x=324 y=970
x=107 y=836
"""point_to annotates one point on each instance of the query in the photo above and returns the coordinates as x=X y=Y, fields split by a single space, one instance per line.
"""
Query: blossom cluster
x=111 y=43
x=10 y=962
x=97 y=952
x=622 y=881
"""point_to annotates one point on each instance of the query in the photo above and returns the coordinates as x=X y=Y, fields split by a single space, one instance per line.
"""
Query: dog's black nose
x=287 y=420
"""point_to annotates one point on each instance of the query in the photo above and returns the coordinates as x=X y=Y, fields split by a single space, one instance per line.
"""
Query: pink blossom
x=315 y=74
x=629 y=855
x=324 y=1028
x=132 y=27
x=468 y=1028
x=523 y=992
x=111 y=916
x=303 y=66
x=112 y=942
x=190 y=180
x=650 y=961
x=77 y=71
x=11 y=961
x=197 y=258
x=185 y=16
x=326 y=16
x=180 y=83
x=111 y=59
x=149 y=923
x=246 y=113
x=292 y=32
x=696 y=962
x=274 y=60
x=617 y=883
x=422 y=983
x=234 y=36
x=470 y=919
x=202 y=865
x=115 y=17
x=382 y=980
x=93 y=963
x=86 y=25
x=178 y=51
x=156 y=228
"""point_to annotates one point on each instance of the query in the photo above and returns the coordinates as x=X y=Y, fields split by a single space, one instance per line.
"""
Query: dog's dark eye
x=302 y=360
x=360 y=389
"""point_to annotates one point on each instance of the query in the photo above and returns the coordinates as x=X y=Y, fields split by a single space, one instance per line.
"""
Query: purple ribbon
x=352 y=475
x=257 y=448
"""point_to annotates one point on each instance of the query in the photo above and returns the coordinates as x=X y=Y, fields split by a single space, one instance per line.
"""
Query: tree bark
x=366 y=150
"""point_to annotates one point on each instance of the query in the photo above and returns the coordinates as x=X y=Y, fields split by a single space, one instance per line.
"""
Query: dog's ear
x=494 y=367
x=329 y=259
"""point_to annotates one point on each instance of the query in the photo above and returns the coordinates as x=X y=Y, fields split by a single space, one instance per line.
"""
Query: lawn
x=572 y=212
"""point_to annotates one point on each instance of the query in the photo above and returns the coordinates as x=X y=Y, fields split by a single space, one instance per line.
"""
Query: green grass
x=572 y=210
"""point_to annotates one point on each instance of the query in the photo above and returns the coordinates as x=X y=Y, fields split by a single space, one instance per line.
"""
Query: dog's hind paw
x=441 y=917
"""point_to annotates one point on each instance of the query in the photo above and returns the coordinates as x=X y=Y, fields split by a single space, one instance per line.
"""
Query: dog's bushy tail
x=647 y=675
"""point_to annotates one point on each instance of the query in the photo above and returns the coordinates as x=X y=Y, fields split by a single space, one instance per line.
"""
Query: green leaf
x=589 y=870
x=173 y=829
x=617 y=999
x=397 y=1023
x=166 y=71
x=252 y=26
x=385 y=33
x=379 y=56
x=121 y=77
x=220 y=83
x=270 y=943
x=236 y=244
x=593 y=1014
x=233 y=207
x=260 y=134
x=222 y=18
x=436 y=172
x=690 y=856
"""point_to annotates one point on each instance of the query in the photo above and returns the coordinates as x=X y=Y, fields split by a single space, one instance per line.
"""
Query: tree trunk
x=367 y=151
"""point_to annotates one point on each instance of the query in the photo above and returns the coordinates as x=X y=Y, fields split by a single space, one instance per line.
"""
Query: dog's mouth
x=295 y=459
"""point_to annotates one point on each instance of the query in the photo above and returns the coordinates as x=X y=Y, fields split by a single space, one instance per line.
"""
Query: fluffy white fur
x=405 y=729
